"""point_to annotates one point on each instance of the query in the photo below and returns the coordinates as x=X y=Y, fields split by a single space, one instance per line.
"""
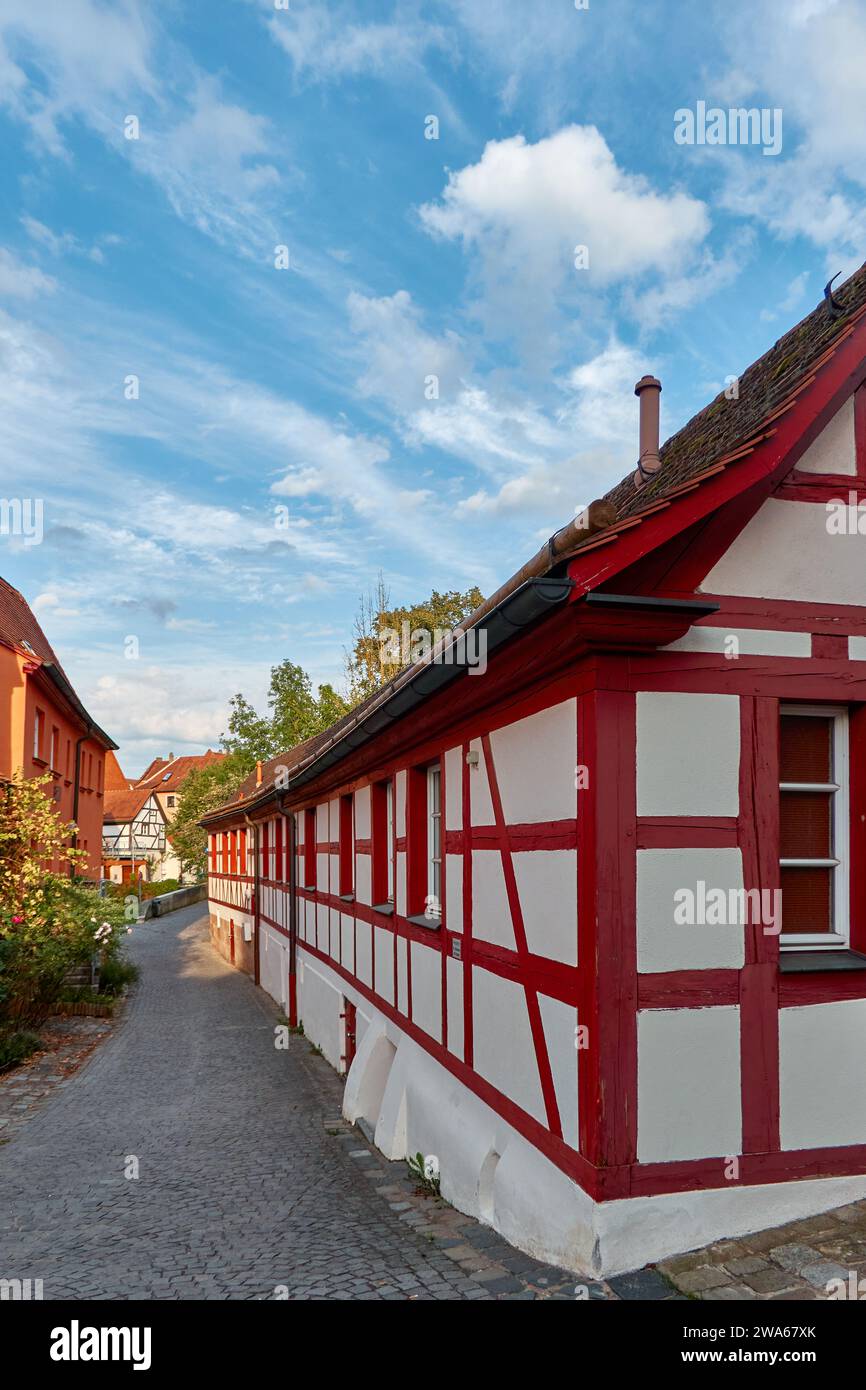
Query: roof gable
x=729 y=447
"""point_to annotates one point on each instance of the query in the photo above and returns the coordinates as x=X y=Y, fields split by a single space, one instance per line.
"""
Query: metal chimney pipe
x=648 y=390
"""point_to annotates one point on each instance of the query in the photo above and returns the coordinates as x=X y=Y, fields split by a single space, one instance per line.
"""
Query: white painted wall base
x=491 y=1172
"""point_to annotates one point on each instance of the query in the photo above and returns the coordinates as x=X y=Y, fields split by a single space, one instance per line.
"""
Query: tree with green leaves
x=203 y=790
x=375 y=657
x=296 y=714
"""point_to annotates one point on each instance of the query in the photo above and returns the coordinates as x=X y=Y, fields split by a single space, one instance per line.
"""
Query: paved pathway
x=249 y=1183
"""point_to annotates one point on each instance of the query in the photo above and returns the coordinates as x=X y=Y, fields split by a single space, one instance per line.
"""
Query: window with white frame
x=38 y=733
x=434 y=841
x=814 y=829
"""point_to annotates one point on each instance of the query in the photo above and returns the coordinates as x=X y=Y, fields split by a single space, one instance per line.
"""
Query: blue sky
x=283 y=447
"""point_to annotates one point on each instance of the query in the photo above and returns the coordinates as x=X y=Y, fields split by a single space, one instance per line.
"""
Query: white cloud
x=523 y=208
x=399 y=354
x=64 y=243
x=660 y=303
x=214 y=164
x=531 y=45
x=324 y=44
x=89 y=54
x=810 y=65
x=486 y=425
x=791 y=300
x=599 y=415
x=99 y=63
x=20 y=281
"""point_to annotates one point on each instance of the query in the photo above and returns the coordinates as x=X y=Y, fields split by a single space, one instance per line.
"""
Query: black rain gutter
x=698 y=608
x=525 y=606
x=57 y=678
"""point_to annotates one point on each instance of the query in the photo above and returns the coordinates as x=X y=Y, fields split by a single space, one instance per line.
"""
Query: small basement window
x=813 y=795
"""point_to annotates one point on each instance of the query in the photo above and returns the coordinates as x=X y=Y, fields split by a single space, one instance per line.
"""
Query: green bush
x=115 y=973
x=16 y=1047
x=119 y=892
x=63 y=925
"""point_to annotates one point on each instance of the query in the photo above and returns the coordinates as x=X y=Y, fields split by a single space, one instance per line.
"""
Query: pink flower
x=17 y=919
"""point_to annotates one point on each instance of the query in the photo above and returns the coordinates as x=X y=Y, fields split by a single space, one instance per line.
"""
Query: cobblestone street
x=250 y=1185
x=249 y=1181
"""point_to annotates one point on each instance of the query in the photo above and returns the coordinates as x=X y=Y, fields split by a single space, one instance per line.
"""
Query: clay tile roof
x=289 y=760
x=124 y=805
x=724 y=425
x=114 y=778
x=165 y=774
x=19 y=628
x=18 y=625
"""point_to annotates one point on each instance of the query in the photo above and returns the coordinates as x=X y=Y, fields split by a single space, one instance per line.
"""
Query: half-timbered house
x=134 y=840
x=591 y=927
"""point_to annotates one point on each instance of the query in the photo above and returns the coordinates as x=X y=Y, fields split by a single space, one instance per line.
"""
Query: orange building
x=45 y=728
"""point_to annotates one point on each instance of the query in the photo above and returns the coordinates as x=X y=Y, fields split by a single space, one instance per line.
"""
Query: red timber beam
x=786 y=436
x=545 y=1073
x=607 y=945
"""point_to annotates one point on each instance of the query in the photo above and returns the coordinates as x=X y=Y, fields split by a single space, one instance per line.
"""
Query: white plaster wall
x=502 y=1040
x=334 y=819
x=750 y=641
x=363 y=879
x=400 y=882
x=454 y=789
x=786 y=552
x=323 y=863
x=688 y=754
x=822 y=1076
x=547 y=888
x=400 y=804
x=384 y=944
x=271 y=962
x=454 y=1004
x=535 y=760
x=454 y=891
x=689 y=1103
x=347 y=942
x=480 y=804
x=560 y=1021
x=427 y=989
x=491 y=916
x=362 y=813
x=322 y=927
x=403 y=975
x=661 y=943
x=364 y=951
x=833 y=450
x=320 y=1003
x=857 y=648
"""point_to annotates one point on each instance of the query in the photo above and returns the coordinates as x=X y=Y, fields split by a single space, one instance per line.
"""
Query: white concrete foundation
x=488 y=1170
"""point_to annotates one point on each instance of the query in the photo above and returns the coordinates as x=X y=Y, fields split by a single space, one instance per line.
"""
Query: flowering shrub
x=49 y=922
